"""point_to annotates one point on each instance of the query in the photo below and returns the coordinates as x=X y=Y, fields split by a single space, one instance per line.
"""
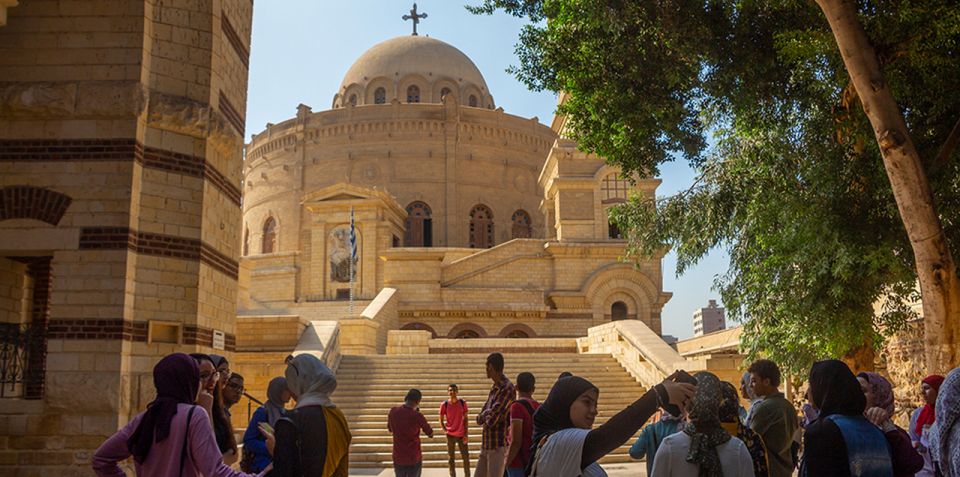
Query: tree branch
x=947 y=148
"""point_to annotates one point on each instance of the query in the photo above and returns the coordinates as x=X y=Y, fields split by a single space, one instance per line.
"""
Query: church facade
x=485 y=223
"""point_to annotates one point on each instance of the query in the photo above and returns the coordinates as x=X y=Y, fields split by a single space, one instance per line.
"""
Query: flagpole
x=353 y=257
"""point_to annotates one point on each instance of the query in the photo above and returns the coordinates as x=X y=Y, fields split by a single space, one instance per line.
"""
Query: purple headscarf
x=882 y=390
x=177 y=379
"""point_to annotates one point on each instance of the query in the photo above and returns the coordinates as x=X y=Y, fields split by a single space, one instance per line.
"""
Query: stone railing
x=322 y=339
x=490 y=258
x=367 y=334
x=642 y=352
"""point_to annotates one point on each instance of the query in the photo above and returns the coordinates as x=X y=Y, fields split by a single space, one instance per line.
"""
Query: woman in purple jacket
x=879 y=394
x=173 y=437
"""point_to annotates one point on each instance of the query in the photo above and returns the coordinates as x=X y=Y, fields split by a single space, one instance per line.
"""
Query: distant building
x=709 y=319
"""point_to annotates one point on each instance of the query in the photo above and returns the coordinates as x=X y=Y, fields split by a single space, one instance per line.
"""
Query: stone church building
x=486 y=224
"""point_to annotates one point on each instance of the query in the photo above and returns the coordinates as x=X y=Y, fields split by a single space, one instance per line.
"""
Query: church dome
x=424 y=62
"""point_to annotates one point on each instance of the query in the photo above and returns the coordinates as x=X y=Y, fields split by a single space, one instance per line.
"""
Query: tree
x=829 y=193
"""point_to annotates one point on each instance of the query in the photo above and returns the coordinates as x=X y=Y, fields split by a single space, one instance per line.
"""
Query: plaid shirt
x=495 y=415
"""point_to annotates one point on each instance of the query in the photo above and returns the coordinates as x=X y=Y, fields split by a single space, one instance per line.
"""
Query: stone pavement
x=637 y=469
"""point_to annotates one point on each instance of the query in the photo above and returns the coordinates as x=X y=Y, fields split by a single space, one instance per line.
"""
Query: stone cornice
x=401 y=119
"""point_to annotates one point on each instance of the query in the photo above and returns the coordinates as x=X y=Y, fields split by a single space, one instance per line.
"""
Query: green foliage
x=791 y=182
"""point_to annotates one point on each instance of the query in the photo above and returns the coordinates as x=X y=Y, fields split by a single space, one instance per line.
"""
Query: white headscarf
x=310 y=380
x=947 y=422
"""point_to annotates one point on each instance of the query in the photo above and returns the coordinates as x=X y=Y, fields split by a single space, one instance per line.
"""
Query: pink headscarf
x=882 y=390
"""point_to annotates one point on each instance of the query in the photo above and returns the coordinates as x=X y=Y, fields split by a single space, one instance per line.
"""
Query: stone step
x=367 y=460
x=369 y=386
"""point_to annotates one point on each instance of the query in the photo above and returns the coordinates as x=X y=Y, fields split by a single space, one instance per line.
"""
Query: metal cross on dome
x=415 y=17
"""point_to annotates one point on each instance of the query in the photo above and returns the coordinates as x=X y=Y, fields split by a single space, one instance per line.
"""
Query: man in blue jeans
x=521 y=425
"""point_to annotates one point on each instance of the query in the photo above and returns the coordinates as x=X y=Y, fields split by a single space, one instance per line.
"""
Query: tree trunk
x=936 y=269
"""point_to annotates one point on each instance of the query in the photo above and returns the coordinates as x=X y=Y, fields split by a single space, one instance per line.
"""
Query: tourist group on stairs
x=699 y=429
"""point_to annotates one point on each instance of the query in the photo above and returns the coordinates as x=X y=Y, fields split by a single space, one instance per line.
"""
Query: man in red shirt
x=453 y=420
x=521 y=425
x=405 y=423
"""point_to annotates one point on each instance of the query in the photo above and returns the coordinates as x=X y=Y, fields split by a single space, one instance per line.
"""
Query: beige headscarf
x=310 y=380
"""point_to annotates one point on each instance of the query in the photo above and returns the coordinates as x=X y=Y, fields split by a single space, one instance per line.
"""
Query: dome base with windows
x=469 y=222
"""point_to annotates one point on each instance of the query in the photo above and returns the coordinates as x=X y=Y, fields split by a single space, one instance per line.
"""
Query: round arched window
x=443 y=93
x=380 y=96
x=467 y=334
x=413 y=94
x=517 y=334
x=353 y=100
x=473 y=101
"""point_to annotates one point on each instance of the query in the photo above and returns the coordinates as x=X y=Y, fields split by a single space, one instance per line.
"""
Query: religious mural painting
x=340 y=256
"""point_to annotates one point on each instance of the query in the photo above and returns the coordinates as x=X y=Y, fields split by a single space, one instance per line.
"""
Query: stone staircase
x=370 y=385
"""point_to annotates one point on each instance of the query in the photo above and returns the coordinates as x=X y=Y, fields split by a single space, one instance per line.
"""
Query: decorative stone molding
x=61 y=100
x=192 y=118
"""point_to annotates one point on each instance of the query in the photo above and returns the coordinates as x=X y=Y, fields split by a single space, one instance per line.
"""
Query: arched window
x=246 y=241
x=521 y=224
x=443 y=93
x=353 y=100
x=473 y=101
x=269 y=243
x=517 y=334
x=467 y=334
x=481 y=227
x=413 y=94
x=618 y=311
x=419 y=226
x=380 y=96
x=613 y=231
x=613 y=189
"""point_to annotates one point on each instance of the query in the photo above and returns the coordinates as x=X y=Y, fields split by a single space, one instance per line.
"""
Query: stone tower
x=121 y=126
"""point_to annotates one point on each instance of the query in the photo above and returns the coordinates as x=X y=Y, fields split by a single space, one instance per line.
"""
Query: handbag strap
x=186 y=438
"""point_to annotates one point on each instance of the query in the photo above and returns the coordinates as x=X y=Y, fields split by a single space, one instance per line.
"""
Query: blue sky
x=302 y=48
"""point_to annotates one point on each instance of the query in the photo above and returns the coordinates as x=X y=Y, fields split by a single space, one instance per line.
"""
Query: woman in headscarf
x=564 y=441
x=313 y=439
x=173 y=437
x=922 y=420
x=704 y=448
x=222 y=427
x=254 y=442
x=730 y=420
x=947 y=440
x=879 y=395
x=841 y=442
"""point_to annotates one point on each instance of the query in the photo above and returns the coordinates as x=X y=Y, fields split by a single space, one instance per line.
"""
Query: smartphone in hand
x=266 y=427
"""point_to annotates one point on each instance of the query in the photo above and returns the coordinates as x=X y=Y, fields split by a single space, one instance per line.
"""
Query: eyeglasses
x=208 y=376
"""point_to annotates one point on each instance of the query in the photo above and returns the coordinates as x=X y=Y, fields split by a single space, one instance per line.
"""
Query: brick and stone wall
x=121 y=127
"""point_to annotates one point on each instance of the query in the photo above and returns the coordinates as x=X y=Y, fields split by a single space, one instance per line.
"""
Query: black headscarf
x=218 y=360
x=835 y=390
x=554 y=414
x=704 y=427
x=177 y=379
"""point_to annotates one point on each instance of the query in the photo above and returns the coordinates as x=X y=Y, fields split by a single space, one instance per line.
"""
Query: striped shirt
x=495 y=415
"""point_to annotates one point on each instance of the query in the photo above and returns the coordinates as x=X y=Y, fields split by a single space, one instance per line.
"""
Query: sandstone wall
x=121 y=126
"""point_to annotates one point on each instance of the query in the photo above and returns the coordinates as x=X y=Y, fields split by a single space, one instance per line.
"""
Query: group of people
x=845 y=429
x=186 y=430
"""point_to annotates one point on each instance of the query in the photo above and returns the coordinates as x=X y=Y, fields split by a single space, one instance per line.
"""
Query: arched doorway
x=419 y=226
x=618 y=311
